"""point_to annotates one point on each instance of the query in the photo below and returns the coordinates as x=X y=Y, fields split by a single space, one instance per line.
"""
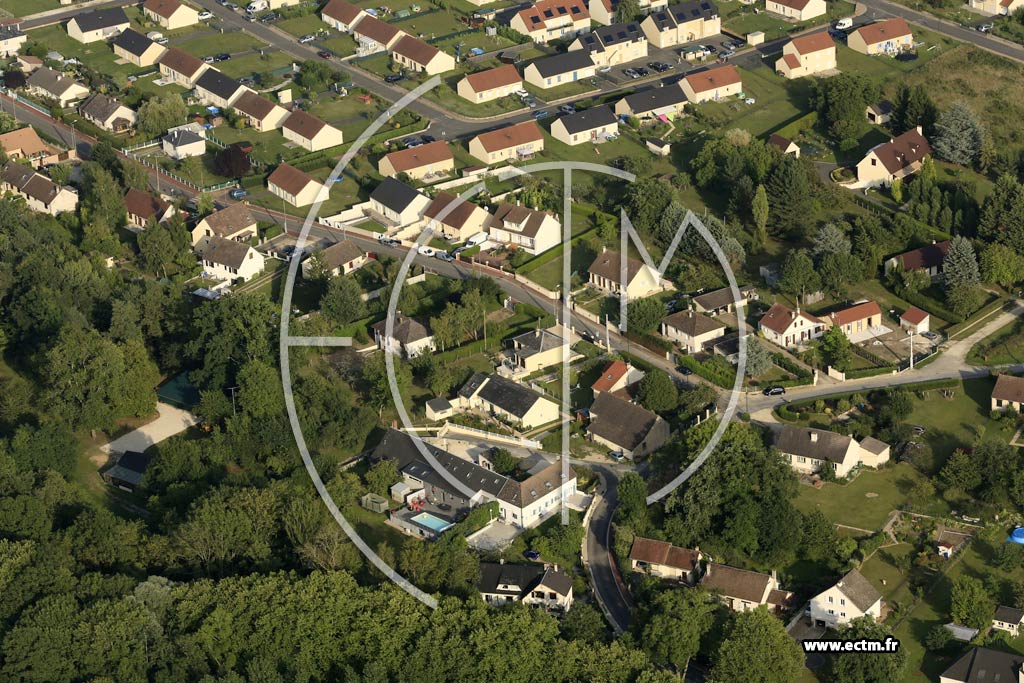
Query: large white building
x=852 y=597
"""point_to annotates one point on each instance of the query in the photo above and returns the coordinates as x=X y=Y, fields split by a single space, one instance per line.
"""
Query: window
x=830 y=599
x=842 y=601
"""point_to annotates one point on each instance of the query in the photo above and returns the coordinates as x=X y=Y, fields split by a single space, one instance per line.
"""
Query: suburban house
x=418 y=56
x=928 y=258
x=49 y=84
x=25 y=143
x=626 y=427
x=879 y=113
x=11 y=40
x=857 y=319
x=567 y=67
x=797 y=10
x=916 y=320
x=787 y=328
x=808 y=54
x=615 y=377
x=341 y=15
x=852 y=597
x=613 y=45
x=170 y=14
x=28 y=63
x=236 y=222
x=692 y=331
x=143 y=207
x=101 y=24
x=108 y=114
x=502 y=398
x=982 y=665
x=548 y=20
x=260 y=113
x=665 y=103
x=528 y=229
x=886 y=37
x=536 y=350
x=374 y=35
x=995 y=7
x=182 y=143
x=900 y=157
x=1008 y=393
x=128 y=471
x=39 y=192
x=424 y=161
x=309 y=132
x=721 y=300
x=682 y=23
x=604 y=11
x=540 y=585
x=712 y=84
x=664 y=560
x=410 y=337
x=512 y=143
x=808 y=450
x=784 y=145
x=741 y=589
x=137 y=49
x=605 y=273
x=294 y=186
x=490 y=84
x=216 y=89
x=341 y=258
x=398 y=203
x=460 y=223
x=181 y=68
x=230 y=260
x=1008 y=619
x=587 y=126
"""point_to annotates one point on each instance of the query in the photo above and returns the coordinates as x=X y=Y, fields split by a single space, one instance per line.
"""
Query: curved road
x=600 y=560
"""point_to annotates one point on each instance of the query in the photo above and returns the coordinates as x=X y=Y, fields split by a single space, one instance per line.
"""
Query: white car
x=750 y=100
x=427 y=251
x=205 y=14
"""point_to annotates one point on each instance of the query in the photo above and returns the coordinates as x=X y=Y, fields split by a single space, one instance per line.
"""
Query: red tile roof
x=814 y=42
x=717 y=77
x=615 y=371
x=903 y=151
x=417 y=157
x=854 y=313
x=779 y=317
x=503 y=75
x=914 y=315
x=511 y=136
x=881 y=31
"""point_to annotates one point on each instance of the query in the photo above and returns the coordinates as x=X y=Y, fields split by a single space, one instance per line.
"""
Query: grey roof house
x=127 y=473
x=626 y=427
x=541 y=585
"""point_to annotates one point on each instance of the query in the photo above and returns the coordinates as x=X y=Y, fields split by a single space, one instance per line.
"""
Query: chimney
x=775 y=577
x=501 y=560
x=920 y=130
x=814 y=437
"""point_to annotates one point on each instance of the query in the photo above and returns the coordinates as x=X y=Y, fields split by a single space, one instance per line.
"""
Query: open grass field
x=741 y=19
x=234 y=42
x=300 y=26
x=351 y=114
x=960 y=421
x=24 y=8
x=777 y=102
x=428 y=25
x=1004 y=347
x=252 y=64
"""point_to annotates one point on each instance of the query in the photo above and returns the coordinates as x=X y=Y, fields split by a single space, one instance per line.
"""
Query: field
x=253 y=64
x=778 y=101
x=1004 y=347
x=958 y=422
x=232 y=43
x=350 y=113
x=300 y=26
x=741 y=19
x=24 y=8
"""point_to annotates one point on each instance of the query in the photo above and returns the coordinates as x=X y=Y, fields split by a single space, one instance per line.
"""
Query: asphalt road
x=64 y=15
x=602 y=572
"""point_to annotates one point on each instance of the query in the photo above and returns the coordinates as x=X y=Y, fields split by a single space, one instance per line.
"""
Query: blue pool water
x=431 y=522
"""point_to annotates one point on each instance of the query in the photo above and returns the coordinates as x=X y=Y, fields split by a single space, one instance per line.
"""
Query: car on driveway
x=427 y=251
x=205 y=15
x=324 y=54
x=632 y=73
x=660 y=67
x=222 y=57
x=683 y=370
x=985 y=28
x=444 y=256
x=308 y=38
x=774 y=391
x=412 y=142
x=603 y=69
x=530 y=102
x=427 y=139
x=531 y=555
x=394 y=78
x=930 y=335
x=208 y=59
x=238 y=193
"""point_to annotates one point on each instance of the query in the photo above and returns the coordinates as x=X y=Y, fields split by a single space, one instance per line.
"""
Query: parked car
x=324 y=54
x=660 y=67
x=208 y=59
x=985 y=28
x=222 y=57
x=919 y=430
x=567 y=109
x=726 y=56
x=444 y=256
x=530 y=102
x=617 y=456
x=542 y=114
x=632 y=73
x=205 y=15
x=308 y=38
x=393 y=78
x=930 y=335
x=427 y=251
x=389 y=242
x=427 y=139
x=683 y=370
x=531 y=555
x=603 y=69
x=726 y=45
x=238 y=193
x=844 y=24
x=774 y=391
x=642 y=72
x=412 y=142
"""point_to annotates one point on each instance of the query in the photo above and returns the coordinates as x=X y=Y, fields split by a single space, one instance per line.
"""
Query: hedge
x=791 y=366
x=550 y=255
x=794 y=128
x=868 y=372
x=917 y=386
x=954 y=330
x=715 y=375
x=926 y=303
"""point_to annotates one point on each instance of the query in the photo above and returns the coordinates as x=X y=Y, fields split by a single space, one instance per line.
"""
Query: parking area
x=894 y=346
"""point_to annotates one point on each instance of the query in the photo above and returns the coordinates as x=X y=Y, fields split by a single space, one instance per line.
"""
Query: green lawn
x=476 y=39
x=233 y=42
x=429 y=25
x=268 y=147
x=253 y=64
x=1003 y=347
x=960 y=421
x=300 y=26
x=777 y=101
x=351 y=114
x=549 y=275
x=25 y=8
x=890 y=581
x=341 y=46
x=741 y=19
x=97 y=55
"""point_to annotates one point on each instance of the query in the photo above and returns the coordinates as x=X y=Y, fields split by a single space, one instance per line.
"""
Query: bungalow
x=605 y=273
x=374 y=35
x=108 y=113
x=888 y=37
x=665 y=102
x=49 y=84
x=605 y=11
x=439 y=408
x=460 y=223
x=625 y=427
x=236 y=222
x=541 y=585
x=664 y=560
x=548 y=20
x=294 y=186
x=690 y=330
x=143 y=207
x=928 y=258
x=216 y=89
x=507 y=400
x=398 y=203
x=528 y=229
x=170 y=14
x=797 y=10
x=587 y=126
x=807 y=55
x=309 y=132
x=137 y=49
x=809 y=450
x=225 y=259
x=1008 y=393
x=983 y=664
x=409 y=337
x=615 y=377
x=567 y=67
x=712 y=84
x=129 y=470
x=787 y=328
x=915 y=320
x=420 y=57
x=613 y=45
x=341 y=15
x=182 y=143
x=511 y=143
x=682 y=23
x=1008 y=619
x=28 y=63
x=721 y=300
x=260 y=113
x=101 y=24
x=879 y=113
x=490 y=84
x=11 y=40
x=537 y=349
x=784 y=145
x=341 y=258
x=995 y=7
x=432 y=159
x=852 y=597
x=900 y=157
x=855 y=320
x=39 y=192
x=741 y=589
x=181 y=68
x=25 y=143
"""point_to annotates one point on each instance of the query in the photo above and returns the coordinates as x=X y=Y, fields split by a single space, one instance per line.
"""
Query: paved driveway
x=170 y=421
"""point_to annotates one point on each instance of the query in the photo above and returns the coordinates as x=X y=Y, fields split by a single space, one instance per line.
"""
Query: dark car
x=388 y=242
x=412 y=142
x=394 y=78
x=774 y=391
x=642 y=72
x=531 y=555
x=683 y=370
x=444 y=256
x=221 y=57
x=660 y=67
x=238 y=193
x=428 y=138
x=324 y=53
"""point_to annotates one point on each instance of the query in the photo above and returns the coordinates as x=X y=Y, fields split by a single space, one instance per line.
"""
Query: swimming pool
x=435 y=524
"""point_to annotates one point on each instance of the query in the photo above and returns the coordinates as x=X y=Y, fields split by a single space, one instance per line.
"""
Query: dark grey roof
x=692 y=324
x=10 y=31
x=531 y=343
x=819 y=444
x=439 y=404
x=133 y=42
x=563 y=63
x=1009 y=615
x=101 y=18
x=588 y=119
x=130 y=467
x=181 y=137
x=50 y=81
x=99 y=107
x=399 y=446
x=341 y=253
x=655 y=98
x=394 y=194
x=527 y=577
x=859 y=590
x=622 y=423
x=689 y=11
x=472 y=384
x=225 y=252
x=982 y=665
x=720 y=298
x=511 y=397
x=616 y=34
x=215 y=82
x=406 y=329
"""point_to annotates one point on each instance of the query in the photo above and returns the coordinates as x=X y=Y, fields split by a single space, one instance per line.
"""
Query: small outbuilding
x=127 y=473
x=374 y=503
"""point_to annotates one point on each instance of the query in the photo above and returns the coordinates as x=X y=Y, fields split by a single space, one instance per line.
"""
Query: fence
x=141 y=145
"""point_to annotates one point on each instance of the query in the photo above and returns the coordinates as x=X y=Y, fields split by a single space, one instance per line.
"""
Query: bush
x=712 y=370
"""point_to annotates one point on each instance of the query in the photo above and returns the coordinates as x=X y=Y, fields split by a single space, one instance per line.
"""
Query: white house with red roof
x=548 y=20
x=797 y=10
x=996 y=7
x=616 y=376
x=915 y=320
x=786 y=327
x=807 y=55
x=859 y=321
x=664 y=560
x=712 y=84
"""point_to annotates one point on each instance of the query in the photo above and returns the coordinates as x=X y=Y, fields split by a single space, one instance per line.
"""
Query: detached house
x=682 y=23
x=374 y=35
x=1008 y=619
x=141 y=208
x=690 y=330
x=231 y=260
x=626 y=427
x=39 y=192
x=1008 y=393
x=309 y=132
x=397 y=203
x=606 y=11
x=528 y=229
x=101 y=24
x=588 y=126
x=182 y=143
x=712 y=84
x=741 y=589
x=409 y=338
x=490 y=84
x=341 y=258
x=53 y=85
x=432 y=159
x=25 y=143
x=108 y=114
x=857 y=320
x=982 y=665
x=236 y=222
x=536 y=350
x=181 y=68
x=170 y=14
x=809 y=450
x=11 y=40
x=341 y=15
x=851 y=598
x=664 y=560
x=995 y=7
x=886 y=37
x=900 y=157
x=605 y=273
x=294 y=186
x=420 y=57
x=615 y=377
x=721 y=300
x=539 y=585
x=567 y=67
x=797 y=10
x=260 y=113
x=928 y=258
x=512 y=143
x=786 y=327
x=666 y=103
x=459 y=223
x=548 y=20
x=784 y=145
x=216 y=89
x=507 y=400
x=137 y=49
x=613 y=45
x=807 y=55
